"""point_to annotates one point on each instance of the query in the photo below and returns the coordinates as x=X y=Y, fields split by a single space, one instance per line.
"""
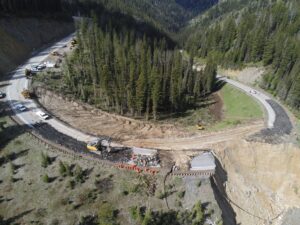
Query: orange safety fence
x=136 y=168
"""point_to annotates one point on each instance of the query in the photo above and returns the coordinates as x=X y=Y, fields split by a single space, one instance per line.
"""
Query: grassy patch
x=238 y=108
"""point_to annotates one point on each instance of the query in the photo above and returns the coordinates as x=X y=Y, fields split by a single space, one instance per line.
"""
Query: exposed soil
x=217 y=108
x=249 y=75
x=100 y=123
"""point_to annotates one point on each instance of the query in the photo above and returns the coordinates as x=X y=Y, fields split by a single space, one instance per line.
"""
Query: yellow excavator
x=94 y=145
x=200 y=126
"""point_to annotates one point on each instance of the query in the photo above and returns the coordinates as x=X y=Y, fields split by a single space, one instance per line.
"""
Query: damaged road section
x=49 y=133
x=282 y=127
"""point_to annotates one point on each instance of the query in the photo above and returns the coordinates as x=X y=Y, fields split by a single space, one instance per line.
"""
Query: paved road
x=18 y=82
x=261 y=97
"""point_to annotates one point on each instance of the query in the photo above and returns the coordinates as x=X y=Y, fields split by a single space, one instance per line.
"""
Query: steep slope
x=261 y=32
x=20 y=36
x=167 y=15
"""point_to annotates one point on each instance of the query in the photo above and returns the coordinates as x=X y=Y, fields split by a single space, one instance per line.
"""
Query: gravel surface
x=282 y=127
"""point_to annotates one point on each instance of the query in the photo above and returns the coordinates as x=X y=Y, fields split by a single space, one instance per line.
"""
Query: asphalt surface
x=282 y=127
x=18 y=83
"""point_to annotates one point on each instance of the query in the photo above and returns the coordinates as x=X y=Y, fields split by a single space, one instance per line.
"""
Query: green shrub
x=12 y=168
x=107 y=215
x=45 y=160
x=199 y=183
x=71 y=184
x=62 y=169
x=181 y=194
x=45 y=178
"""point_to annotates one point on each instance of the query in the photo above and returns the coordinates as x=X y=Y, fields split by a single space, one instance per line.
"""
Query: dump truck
x=27 y=94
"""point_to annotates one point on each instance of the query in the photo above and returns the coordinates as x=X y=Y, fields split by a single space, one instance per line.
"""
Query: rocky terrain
x=261 y=181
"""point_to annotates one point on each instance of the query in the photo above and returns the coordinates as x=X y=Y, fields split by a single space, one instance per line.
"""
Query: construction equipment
x=200 y=126
x=94 y=145
x=27 y=94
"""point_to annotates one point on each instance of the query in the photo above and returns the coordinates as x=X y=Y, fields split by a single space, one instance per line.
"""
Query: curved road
x=18 y=82
x=261 y=97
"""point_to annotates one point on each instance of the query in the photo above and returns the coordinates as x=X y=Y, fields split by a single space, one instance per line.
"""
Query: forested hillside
x=166 y=15
x=119 y=70
x=263 y=32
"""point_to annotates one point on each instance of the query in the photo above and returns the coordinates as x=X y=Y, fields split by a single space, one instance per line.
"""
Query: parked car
x=2 y=95
x=20 y=108
x=43 y=115
x=41 y=67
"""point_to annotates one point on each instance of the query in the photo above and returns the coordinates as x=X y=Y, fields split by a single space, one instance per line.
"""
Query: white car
x=42 y=115
x=20 y=108
x=41 y=67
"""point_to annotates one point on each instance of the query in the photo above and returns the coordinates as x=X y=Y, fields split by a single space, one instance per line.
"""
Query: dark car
x=2 y=95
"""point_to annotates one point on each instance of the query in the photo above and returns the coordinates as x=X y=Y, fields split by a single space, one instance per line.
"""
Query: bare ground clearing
x=140 y=133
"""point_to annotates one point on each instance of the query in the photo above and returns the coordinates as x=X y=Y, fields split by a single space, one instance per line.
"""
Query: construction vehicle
x=27 y=94
x=200 y=126
x=104 y=144
x=94 y=145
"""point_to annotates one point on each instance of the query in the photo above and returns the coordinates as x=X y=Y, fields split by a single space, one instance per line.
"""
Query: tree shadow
x=52 y=179
x=88 y=172
x=14 y=180
x=13 y=219
x=217 y=182
x=5 y=85
x=17 y=167
x=219 y=85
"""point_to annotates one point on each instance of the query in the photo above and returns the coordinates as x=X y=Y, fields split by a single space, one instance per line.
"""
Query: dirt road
x=199 y=141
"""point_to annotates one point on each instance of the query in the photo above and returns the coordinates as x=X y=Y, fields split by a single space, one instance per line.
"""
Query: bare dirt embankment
x=263 y=180
x=249 y=75
x=95 y=121
x=20 y=36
